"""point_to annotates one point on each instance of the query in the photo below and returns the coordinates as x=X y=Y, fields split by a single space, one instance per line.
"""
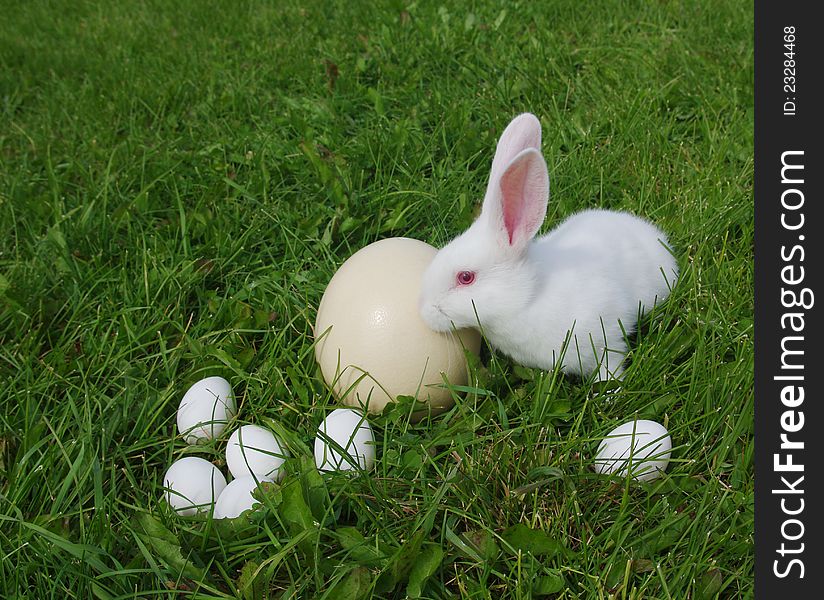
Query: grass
x=178 y=182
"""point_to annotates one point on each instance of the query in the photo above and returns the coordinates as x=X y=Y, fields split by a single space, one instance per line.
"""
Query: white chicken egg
x=236 y=497
x=205 y=410
x=255 y=450
x=345 y=429
x=643 y=446
x=192 y=485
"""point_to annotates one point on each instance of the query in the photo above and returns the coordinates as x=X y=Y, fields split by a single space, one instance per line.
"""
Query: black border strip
x=788 y=254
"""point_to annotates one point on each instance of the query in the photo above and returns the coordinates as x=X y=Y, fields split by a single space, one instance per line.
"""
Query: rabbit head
x=484 y=272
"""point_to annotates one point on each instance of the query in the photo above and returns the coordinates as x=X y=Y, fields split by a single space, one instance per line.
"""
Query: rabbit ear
x=519 y=205
x=524 y=131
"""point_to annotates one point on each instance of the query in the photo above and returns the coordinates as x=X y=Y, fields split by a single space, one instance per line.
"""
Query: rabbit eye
x=466 y=277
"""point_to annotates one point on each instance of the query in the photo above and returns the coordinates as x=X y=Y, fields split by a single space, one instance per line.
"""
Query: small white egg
x=346 y=429
x=205 y=410
x=255 y=450
x=643 y=446
x=236 y=498
x=192 y=485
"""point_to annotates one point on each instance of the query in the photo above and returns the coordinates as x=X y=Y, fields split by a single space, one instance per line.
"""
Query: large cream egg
x=237 y=497
x=371 y=343
x=205 y=410
x=642 y=446
x=192 y=485
x=254 y=450
x=345 y=442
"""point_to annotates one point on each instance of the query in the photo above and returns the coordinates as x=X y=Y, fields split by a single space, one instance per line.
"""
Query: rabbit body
x=571 y=295
x=591 y=276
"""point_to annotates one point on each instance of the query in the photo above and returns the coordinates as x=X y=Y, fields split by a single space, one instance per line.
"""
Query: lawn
x=180 y=180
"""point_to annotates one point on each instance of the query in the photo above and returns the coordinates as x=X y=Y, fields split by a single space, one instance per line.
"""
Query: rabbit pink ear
x=524 y=192
x=524 y=131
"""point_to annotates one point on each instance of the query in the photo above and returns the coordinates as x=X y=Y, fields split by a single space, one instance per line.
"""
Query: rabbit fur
x=569 y=296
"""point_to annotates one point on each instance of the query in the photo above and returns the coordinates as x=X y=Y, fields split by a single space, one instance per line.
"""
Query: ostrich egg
x=370 y=341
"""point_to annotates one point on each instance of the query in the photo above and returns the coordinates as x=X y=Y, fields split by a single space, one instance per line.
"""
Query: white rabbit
x=571 y=295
